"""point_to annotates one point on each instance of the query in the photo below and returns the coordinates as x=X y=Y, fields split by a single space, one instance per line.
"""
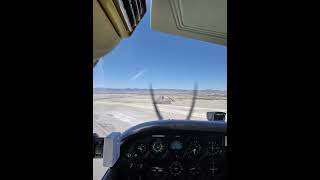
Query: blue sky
x=167 y=61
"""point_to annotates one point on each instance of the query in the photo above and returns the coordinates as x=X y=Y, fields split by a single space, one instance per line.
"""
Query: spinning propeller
x=195 y=91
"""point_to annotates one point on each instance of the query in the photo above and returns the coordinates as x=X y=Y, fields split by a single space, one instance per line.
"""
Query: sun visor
x=114 y=20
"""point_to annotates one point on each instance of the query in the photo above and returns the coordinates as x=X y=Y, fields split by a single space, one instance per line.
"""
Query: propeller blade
x=195 y=91
x=155 y=104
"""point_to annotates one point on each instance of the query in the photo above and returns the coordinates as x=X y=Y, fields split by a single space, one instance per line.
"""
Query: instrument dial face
x=194 y=149
x=213 y=149
x=157 y=146
x=142 y=148
x=194 y=170
x=213 y=169
x=176 y=168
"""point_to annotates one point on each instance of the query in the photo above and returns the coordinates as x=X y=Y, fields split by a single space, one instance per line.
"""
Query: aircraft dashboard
x=174 y=149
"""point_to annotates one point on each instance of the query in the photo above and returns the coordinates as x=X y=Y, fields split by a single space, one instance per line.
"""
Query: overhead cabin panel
x=204 y=20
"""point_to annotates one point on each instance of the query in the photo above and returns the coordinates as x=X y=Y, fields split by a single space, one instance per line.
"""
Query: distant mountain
x=206 y=92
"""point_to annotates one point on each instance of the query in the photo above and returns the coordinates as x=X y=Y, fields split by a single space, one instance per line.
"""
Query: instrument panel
x=173 y=155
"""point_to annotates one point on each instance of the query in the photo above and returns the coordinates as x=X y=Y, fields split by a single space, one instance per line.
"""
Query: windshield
x=172 y=64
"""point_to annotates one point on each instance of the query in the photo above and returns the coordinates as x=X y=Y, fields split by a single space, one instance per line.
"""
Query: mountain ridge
x=146 y=91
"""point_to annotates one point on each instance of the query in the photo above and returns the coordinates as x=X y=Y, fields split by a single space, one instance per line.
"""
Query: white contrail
x=140 y=73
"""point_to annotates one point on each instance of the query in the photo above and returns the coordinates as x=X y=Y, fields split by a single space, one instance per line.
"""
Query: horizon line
x=158 y=88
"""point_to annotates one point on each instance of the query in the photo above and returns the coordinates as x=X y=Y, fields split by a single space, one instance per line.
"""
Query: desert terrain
x=120 y=109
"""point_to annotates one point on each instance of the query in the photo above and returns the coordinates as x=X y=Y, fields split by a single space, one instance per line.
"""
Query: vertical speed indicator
x=194 y=149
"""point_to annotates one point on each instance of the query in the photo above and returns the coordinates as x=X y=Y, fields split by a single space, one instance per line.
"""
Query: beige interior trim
x=105 y=37
x=204 y=20
x=112 y=12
